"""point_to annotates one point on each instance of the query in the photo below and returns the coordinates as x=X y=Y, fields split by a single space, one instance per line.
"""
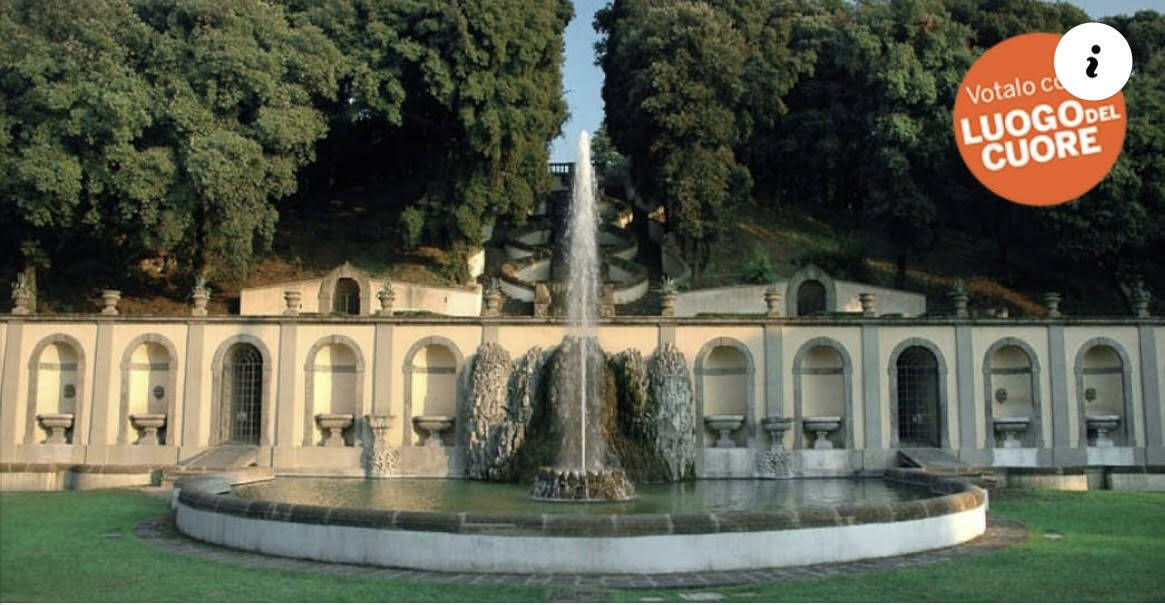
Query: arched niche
x=724 y=371
x=917 y=371
x=823 y=386
x=56 y=385
x=807 y=274
x=431 y=370
x=149 y=368
x=330 y=282
x=1011 y=364
x=228 y=368
x=1102 y=364
x=333 y=384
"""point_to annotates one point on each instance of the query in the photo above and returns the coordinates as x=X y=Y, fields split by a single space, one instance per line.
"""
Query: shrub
x=758 y=269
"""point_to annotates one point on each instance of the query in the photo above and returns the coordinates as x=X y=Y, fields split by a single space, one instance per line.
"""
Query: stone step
x=934 y=460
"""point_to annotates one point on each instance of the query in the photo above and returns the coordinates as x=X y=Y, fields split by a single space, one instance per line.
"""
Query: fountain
x=581 y=472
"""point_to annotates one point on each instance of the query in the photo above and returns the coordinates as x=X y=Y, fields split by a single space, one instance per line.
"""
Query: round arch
x=809 y=273
x=945 y=438
x=1036 y=430
x=328 y=288
x=172 y=421
x=410 y=369
x=699 y=370
x=847 y=370
x=309 y=370
x=1129 y=422
x=80 y=435
x=218 y=421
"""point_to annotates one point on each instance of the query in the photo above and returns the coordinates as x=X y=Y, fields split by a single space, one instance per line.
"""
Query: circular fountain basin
x=469 y=526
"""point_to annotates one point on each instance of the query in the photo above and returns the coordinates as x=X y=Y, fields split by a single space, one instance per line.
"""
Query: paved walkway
x=161 y=532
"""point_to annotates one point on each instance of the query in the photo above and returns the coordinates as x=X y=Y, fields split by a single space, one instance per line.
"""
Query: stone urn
x=199 y=297
x=667 y=307
x=822 y=426
x=773 y=302
x=1012 y=427
x=1102 y=424
x=147 y=426
x=334 y=424
x=433 y=426
x=1052 y=303
x=869 y=302
x=493 y=303
x=386 y=297
x=724 y=425
x=294 y=302
x=56 y=425
x=109 y=300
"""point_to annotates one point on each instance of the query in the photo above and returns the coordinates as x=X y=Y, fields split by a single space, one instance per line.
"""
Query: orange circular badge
x=1026 y=138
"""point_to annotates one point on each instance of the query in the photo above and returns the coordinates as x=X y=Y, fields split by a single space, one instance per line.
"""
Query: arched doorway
x=919 y=418
x=346 y=299
x=810 y=298
x=243 y=404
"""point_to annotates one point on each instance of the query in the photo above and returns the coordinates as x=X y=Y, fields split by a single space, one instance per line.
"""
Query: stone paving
x=1001 y=533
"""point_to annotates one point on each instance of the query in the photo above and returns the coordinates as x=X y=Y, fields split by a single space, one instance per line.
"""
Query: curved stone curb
x=1001 y=533
x=954 y=495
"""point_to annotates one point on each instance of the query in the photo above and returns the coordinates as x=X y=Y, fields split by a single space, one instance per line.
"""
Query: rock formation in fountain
x=486 y=413
x=671 y=398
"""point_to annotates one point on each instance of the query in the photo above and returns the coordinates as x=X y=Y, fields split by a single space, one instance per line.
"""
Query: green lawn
x=79 y=546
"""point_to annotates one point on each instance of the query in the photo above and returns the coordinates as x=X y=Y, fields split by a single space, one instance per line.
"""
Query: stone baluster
x=200 y=297
x=1052 y=303
x=773 y=302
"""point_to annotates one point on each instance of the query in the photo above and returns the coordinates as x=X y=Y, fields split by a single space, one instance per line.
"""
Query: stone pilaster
x=103 y=372
x=1063 y=453
x=1150 y=396
x=382 y=370
x=9 y=394
x=875 y=453
x=774 y=371
x=969 y=449
x=192 y=396
x=285 y=389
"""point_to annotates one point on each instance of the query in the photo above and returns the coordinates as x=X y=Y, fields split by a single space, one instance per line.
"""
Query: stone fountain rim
x=953 y=495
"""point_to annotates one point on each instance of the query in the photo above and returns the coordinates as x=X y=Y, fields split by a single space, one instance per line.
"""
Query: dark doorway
x=347 y=297
x=919 y=419
x=244 y=408
x=810 y=298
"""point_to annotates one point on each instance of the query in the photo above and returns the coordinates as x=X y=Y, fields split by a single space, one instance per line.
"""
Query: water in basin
x=459 y=495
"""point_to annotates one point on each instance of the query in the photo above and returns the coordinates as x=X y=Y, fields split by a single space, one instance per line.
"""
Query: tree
x=685 y=83
x=462 y=98
x=163 y=126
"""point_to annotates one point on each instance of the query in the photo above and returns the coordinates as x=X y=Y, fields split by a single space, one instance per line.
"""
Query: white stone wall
x=387 y=348
x=455 y=302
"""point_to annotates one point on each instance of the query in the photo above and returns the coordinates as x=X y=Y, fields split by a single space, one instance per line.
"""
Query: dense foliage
x=174 y=128
x=163 y=126
x=846 y=107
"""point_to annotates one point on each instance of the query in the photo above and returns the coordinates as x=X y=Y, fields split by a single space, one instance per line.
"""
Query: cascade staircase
x=943 y=462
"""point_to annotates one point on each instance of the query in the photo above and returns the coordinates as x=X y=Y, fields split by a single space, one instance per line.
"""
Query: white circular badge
x=1093 y=61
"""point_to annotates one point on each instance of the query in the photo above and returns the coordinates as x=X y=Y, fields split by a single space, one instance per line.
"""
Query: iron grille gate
x=918 y=414
x=246 y=372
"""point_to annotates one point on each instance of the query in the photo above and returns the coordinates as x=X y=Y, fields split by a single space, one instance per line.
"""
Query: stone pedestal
x=380 y=460
x=21 y=303
x=334 y=424
x=774 y=463
x=493 y=303
x=55 y=425
x=147 y=426
x=541 y=300
x=668 y=303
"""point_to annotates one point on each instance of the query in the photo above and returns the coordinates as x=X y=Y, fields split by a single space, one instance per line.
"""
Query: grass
x=80 y=547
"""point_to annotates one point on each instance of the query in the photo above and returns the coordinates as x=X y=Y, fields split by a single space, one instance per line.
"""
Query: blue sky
x=583 y=79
